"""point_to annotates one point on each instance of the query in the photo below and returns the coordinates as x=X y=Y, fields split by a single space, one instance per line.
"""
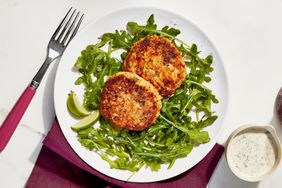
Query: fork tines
x=68 y=27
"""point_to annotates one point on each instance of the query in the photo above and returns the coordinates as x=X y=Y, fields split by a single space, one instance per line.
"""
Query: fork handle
x=12 y=120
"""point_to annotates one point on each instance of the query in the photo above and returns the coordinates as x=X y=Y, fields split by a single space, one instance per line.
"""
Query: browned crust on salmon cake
x=158 y=61
x=130 y=102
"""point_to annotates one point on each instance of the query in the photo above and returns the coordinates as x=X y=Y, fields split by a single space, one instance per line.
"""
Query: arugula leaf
x=171 y=31
x=119 y=39
x=198 y=137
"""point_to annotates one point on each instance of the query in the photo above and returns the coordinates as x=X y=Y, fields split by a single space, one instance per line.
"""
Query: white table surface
x=247 y=34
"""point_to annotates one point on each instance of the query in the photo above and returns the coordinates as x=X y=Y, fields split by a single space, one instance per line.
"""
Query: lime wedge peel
x=87 y=121
x=75 y=108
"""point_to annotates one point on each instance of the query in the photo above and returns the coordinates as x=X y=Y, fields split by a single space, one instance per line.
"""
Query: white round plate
x=65 y=79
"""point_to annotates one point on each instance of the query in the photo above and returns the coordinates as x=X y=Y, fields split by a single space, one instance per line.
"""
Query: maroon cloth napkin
x=59 y=166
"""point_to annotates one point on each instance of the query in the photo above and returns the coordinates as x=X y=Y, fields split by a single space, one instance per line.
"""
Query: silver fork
x=65 y=32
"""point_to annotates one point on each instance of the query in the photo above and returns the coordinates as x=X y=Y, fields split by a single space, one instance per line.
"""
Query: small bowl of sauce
x=253 y=152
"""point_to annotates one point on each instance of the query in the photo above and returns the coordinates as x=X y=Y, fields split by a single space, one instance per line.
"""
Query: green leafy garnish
x=95 y=63
x=183 y=116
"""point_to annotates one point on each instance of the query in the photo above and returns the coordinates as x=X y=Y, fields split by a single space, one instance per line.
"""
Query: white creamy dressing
x=251 y=153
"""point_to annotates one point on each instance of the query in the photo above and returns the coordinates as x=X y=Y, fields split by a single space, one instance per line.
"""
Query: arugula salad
x=183 y=117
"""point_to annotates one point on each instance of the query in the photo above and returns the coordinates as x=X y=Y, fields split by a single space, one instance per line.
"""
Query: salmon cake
x=158 y=61
x=130 y=102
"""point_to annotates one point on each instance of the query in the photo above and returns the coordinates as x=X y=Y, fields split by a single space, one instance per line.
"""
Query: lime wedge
x=75 y=107
x=87 y=121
